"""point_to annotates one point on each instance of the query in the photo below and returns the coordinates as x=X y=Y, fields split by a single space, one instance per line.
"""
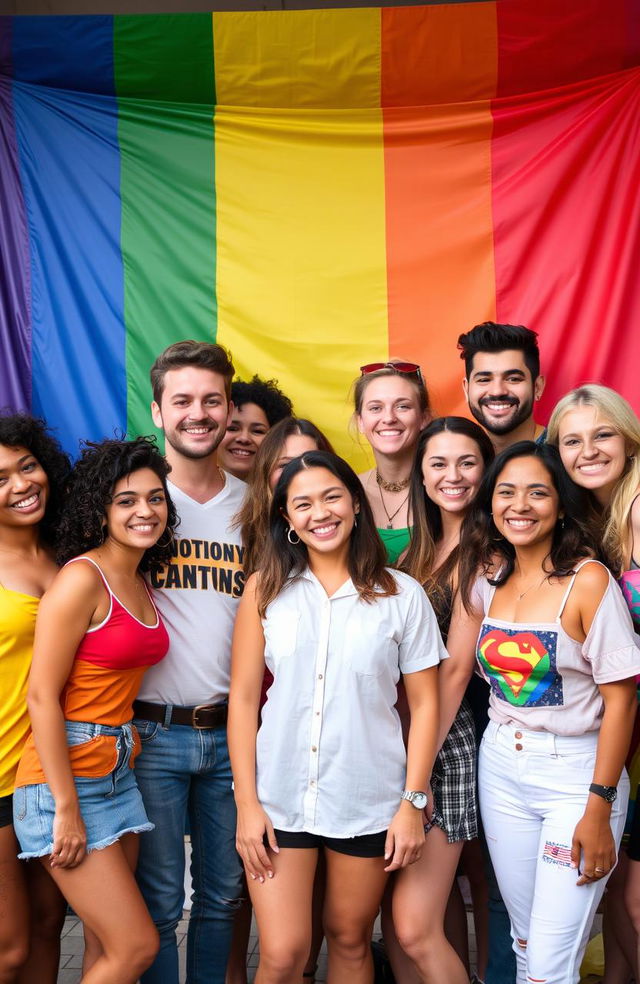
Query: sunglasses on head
x=410 y=368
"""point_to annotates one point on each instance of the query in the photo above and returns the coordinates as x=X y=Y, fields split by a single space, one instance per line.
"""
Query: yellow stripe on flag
x=301 y=259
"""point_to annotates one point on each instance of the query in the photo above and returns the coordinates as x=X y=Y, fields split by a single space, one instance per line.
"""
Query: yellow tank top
x=17 y=625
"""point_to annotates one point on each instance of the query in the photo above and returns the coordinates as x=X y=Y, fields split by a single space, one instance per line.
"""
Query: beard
x=178 y=443
x=507 y=424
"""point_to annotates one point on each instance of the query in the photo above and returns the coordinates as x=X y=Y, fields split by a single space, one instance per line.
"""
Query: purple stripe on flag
x=15 y=305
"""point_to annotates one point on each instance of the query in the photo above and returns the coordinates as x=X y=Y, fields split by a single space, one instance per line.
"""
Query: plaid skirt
x=453 y=782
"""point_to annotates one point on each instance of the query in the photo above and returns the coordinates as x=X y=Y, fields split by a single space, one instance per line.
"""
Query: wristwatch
x=608 y=793
x=416 y=797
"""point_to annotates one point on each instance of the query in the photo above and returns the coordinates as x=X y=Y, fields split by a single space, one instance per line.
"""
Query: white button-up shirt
x=330 y=754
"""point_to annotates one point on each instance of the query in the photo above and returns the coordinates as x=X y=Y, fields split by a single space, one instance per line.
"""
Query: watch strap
x=608 y=793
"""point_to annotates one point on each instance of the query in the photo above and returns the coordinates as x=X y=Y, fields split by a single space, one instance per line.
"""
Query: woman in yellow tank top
x=33 y=470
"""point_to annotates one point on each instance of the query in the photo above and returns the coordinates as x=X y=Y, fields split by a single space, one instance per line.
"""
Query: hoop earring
x=297 y=538
x=170 y=541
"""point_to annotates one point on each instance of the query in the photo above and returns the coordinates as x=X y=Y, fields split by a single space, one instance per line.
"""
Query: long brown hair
x=419 y=561
x=282 y=559
x=253 y=516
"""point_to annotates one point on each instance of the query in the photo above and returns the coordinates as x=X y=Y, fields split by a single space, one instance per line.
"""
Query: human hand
x=593 y=840
x=253 y=825
x=405 y=837
x=69 y=838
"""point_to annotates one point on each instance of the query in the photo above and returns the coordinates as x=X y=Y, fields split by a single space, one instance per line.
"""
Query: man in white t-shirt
x=183 y=769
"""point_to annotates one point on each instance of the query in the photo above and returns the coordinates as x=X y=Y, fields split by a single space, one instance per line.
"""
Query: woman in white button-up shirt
x=328 y=767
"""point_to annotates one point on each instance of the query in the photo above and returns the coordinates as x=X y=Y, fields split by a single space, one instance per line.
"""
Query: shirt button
x=518 y=748
x=314 y=748
x=312 y=783
x=319 y=676
x=518 y=734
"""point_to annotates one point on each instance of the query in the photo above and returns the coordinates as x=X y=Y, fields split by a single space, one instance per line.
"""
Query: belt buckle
x=194 y=716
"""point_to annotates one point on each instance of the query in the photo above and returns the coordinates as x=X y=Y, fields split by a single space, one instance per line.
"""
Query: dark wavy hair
x=266 y=394
x=493 y=337
x=419 y=561
x=485 y=551
x=21 y=430
x=93 y=479
x=282 y=559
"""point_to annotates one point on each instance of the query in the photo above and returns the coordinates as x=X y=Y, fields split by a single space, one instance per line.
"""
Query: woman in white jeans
x=551 y=634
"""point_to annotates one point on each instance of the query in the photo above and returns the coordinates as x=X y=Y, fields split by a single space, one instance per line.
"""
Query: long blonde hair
x=616 y=518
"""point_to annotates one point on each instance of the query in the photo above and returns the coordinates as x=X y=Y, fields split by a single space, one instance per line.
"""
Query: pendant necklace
x=390 y=518
x=532 y=586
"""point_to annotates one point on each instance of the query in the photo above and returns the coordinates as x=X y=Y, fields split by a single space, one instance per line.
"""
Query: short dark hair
x=202 y=355
x=21 y=430
x=93 y=479
x=266 y=394
x=493 y=337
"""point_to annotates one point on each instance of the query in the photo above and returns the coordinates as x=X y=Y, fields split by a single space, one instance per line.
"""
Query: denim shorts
x=110 y=805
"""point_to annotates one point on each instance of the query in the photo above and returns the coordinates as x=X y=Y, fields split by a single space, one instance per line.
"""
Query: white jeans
x=533 y=791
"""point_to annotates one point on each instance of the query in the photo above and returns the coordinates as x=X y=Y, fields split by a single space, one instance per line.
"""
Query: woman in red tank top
x=76 y=806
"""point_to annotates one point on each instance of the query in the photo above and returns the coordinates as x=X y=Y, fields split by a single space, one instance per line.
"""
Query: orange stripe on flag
x=440 y=278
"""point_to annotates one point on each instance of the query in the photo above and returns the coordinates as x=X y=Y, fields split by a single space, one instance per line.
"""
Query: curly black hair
x=93 y=479
x=21 y=430
x=266 y=394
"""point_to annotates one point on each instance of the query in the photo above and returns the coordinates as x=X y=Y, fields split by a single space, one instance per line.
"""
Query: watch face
x=419 y=800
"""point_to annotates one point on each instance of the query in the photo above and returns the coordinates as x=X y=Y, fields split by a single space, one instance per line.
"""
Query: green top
x=395 y=541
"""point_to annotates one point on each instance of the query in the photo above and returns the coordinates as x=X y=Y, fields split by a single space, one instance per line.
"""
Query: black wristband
x=608 y=793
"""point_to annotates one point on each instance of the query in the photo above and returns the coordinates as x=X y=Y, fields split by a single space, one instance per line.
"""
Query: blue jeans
x=182 y=771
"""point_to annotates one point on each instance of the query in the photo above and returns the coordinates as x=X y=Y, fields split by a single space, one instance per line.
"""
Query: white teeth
x=196 y=430
x=389 y=433
x=499 y=406
x=322 y=530
x=142 y=528
x=240 y=452
x=25 y=503
x=453 y=492
x=520 y=523
x=594 y=466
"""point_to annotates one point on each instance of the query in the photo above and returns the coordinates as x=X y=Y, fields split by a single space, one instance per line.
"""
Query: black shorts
x=6 y=810
x=366 y=846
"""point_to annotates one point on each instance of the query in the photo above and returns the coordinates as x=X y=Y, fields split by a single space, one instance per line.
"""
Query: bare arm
x=454 y=673
x=64 y=614
x=247 y=672
x=405 y=837
x=593 y=838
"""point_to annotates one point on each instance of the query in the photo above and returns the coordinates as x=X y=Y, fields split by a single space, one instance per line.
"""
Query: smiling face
x=525 y=503
x=593 y=450
x=245 y=433
x=293 y=447
x=137 y=514
x=500 y=391
x=193 y=412
x=390 y=416
x=321 y=511
x=452 y=469
x=24 y=487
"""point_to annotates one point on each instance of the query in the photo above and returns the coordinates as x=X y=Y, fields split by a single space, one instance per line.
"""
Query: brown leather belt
x=202 y=716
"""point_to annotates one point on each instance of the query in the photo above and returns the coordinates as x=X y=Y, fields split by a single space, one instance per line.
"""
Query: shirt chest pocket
x=370 y=648
x=281 y=636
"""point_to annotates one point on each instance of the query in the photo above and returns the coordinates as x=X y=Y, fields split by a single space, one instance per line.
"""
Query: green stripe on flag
x=167 y=189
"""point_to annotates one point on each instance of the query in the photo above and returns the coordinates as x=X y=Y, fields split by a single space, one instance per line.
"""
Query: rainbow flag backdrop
x=315 y=189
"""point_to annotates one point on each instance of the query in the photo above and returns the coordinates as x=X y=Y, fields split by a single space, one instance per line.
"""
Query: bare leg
x=619 y=937
x=14 y=910
x=632 y=900
x=103 y=892
x=404 y=969
x=282 y=905
x=352 y=899
x=47 y=909
x=92 y=948
x=474 y=868
x=419 y=902
x=455 y=924
x=317 y=927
